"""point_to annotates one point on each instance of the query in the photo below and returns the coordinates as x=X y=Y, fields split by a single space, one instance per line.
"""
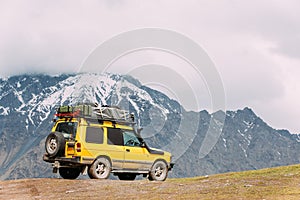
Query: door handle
x=128 y=150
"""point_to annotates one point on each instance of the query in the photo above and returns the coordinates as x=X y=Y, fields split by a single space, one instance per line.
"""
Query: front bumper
x=171 y=166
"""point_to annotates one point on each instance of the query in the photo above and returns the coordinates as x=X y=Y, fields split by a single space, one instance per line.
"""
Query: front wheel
x=100 y=169
x=69 y=173
x=159 y=171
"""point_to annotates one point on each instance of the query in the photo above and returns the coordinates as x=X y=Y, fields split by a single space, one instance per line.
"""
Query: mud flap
x=85 y=170
x=55 y=166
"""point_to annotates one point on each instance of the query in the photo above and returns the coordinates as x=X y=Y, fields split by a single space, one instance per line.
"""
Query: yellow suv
x=99 y=141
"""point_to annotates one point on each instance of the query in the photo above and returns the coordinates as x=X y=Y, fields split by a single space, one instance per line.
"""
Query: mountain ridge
x=234 y=140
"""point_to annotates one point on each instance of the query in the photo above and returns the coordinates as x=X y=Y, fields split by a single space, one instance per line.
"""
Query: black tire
x=55 y=144
x=159 y=171
x=100 y=169
x=90 y=175
x=127 y=176
x=69 y=173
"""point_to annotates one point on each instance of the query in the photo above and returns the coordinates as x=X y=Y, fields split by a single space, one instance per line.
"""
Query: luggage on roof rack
x=110 y=113
x=65 y=109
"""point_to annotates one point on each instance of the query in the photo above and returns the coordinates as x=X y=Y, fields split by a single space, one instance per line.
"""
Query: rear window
x=94 y=135
x=68 y=129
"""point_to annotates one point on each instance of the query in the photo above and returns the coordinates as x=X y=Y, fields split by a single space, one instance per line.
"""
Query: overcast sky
x=255 y=44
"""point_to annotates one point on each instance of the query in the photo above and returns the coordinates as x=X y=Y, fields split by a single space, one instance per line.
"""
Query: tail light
x=78 y=147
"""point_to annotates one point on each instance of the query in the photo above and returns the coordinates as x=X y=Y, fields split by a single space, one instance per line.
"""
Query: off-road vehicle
x=100 y=141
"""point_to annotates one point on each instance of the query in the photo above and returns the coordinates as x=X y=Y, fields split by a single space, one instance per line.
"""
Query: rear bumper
x=72 y=160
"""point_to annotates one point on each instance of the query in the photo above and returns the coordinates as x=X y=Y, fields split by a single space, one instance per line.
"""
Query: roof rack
x=88 y=111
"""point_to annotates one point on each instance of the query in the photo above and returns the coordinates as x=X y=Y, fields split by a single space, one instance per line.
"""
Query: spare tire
x=55 y=144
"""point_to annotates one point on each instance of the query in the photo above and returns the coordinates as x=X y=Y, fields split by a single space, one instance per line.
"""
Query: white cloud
x=255 y=44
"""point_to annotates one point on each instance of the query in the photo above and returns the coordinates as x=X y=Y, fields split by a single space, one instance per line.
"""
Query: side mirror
x=143 y=144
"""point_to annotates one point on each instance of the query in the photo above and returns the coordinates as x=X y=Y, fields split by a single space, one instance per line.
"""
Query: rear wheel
x=55 y=144
x=159 y=171
x=69 y=173
x=127 y=176
x=100 y=169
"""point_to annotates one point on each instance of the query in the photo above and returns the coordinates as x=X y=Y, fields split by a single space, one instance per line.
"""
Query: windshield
x=68 y=129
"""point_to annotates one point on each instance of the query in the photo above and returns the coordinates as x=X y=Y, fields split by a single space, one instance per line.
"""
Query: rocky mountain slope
x=27 y=105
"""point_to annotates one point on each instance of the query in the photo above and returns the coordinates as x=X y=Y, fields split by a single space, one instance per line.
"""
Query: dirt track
x=269 y=184
x=88 y=189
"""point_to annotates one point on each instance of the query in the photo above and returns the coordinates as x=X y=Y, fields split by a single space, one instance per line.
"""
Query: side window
x=114 y=136
x=130 y=139
x=94 y=135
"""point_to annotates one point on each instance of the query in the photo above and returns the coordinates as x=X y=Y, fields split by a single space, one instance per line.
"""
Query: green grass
x=271 y=183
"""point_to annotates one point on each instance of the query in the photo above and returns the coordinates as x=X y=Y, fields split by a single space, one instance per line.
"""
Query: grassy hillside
x=274 y=183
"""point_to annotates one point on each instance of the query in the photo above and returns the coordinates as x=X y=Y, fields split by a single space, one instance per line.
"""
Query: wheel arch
x=103 y=156
x=160 y=159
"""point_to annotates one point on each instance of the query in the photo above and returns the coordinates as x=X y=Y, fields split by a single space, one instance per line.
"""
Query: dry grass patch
x=274 y=183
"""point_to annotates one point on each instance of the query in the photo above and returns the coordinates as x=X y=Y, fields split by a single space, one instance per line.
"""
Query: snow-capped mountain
x=28 y=102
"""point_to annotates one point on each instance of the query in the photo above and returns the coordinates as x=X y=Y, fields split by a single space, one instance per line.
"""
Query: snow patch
x=18 y=85
x=225 y=142
x=4 y=110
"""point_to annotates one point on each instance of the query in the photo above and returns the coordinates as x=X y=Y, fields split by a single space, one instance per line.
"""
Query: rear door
x=68 y=129
x=115 y=144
